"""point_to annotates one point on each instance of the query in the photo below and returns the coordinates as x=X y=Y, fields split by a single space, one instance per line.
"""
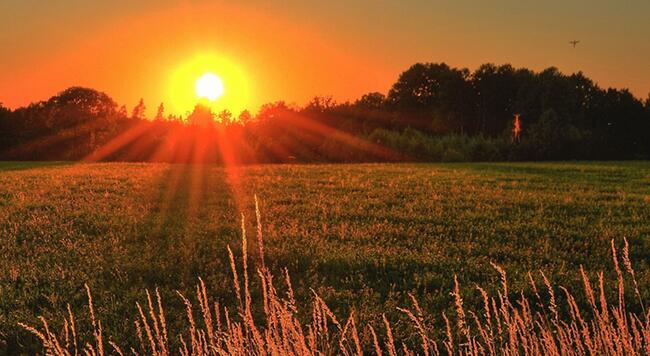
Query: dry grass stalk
x=502 y=326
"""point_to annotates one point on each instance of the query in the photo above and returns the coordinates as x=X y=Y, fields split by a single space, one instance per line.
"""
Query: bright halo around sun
x=211 y=80
x=209 y=86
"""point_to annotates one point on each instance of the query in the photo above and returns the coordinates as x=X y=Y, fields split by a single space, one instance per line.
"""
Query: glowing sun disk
x=211 y=80
x=209 y=86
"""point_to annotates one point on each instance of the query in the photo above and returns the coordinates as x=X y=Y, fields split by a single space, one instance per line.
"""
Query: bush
x=449 y=148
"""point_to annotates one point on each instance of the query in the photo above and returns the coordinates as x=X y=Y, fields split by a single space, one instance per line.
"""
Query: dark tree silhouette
x=225 y=118
x=433 y=113
x=371 y=101
x=552 y=137
x=444 y=93
x=201 y=116
x=496 y=92
x=160 y=113
x=245 y=117
x=84 y=114
x=139 y=110
x=319 y=104
x=6 y=125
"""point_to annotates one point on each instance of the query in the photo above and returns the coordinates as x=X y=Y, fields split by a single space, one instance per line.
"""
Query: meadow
x=362 y=237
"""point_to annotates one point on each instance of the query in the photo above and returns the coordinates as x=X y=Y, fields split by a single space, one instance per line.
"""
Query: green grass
x=362 y=236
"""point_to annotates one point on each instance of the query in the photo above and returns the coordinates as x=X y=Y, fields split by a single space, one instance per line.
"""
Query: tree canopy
x=432 y=112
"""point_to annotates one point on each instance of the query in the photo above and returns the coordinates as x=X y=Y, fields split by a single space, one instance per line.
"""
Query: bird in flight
x=574 y=43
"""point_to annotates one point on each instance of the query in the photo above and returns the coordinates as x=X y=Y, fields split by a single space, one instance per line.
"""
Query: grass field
x=362 y=236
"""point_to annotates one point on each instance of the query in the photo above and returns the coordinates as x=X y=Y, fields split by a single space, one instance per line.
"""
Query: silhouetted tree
x=319 y=104
x=4 y=116
x=371 y=101
x=433 y=112
x=201 y=116
x=647 y=108
x=139 y=110
x=5 y=128
x=81 y=117
x=496 y=92
x=122 y=112
x=552 y=137
x=174 y=118
x=225 y=117
x=160 y=113
x=622 y=118
x=274 y=110
x=245 y=117
x=443 y=94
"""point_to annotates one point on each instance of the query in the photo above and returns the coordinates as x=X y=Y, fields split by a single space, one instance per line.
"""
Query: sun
x=209 y=86
x=210 y=79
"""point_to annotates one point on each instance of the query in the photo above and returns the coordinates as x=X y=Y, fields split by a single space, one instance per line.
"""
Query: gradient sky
x=293 y=50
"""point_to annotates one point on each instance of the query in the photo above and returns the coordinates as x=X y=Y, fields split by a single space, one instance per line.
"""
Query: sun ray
x=119 y=142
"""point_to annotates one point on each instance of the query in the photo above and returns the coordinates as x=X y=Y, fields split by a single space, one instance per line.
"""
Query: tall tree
x=442 y=93
x=496 y=91
x=160 y=113
x=5 y=128
x=225 y=117
x=319 y=104
x=245 y=117
x=79 y=116
x=201 y=116
x=122 y=112
x=139 y=110
x=371 y=101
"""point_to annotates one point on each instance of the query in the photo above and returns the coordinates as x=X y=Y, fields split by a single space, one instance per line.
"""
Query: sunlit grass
x=363 y=237
x=506 y=325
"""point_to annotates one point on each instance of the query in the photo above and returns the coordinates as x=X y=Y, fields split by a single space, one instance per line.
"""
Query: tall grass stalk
x=505 y=325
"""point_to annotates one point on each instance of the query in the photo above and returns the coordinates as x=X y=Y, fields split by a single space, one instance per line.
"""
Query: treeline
x=432 y=113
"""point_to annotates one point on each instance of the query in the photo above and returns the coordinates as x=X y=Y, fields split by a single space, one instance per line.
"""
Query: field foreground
x=361 y=236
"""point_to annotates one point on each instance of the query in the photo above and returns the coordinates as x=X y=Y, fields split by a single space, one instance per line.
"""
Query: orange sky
x=294 y=50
